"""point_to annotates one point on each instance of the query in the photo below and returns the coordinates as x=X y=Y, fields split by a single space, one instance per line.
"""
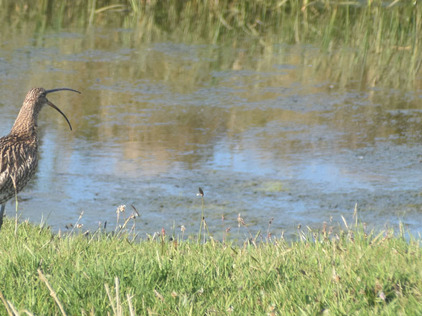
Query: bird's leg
x=3 y=206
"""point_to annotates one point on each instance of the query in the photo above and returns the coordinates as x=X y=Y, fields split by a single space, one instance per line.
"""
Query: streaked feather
x=18 y=162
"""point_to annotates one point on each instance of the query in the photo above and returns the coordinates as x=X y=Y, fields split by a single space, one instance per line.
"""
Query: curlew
x=18 y=150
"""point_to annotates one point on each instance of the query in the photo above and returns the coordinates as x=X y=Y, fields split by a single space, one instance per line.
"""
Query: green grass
x=348 y=273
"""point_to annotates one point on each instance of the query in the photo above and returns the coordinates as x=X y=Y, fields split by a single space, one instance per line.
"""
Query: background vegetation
x=382 y=37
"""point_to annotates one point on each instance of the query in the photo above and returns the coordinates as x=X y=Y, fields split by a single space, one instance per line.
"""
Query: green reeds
x=376 y=44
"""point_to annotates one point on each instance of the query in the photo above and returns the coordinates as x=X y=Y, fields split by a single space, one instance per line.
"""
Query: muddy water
x=274 y=134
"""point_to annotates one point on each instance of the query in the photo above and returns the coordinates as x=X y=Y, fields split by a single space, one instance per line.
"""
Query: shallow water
x=266 y=135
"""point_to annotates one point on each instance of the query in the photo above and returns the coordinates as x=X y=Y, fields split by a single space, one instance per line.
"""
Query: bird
x=19 y=149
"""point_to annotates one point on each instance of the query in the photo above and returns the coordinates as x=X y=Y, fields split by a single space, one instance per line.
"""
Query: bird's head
x=37 y=98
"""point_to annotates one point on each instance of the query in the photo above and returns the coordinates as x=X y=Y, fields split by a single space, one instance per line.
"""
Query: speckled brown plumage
x=18 y=150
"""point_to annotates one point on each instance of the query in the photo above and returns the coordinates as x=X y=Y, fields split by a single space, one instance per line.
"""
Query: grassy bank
x=351 y=272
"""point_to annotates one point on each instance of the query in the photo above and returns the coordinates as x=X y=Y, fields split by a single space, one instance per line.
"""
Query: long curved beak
x=55 y=107
x=60 y=89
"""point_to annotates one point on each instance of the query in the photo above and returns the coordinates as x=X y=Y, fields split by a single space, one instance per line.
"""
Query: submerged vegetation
x=349 y=272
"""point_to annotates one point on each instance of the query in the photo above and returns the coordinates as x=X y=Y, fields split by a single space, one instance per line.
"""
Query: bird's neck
x=26 y=122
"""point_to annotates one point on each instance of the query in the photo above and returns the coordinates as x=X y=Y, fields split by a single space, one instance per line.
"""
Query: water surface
x=274 y=133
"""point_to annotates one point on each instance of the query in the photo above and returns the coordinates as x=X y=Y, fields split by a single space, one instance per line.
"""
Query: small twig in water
x=201 y=193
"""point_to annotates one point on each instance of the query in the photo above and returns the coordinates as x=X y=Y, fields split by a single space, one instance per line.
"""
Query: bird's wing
x=15 y=157
x=5 y=147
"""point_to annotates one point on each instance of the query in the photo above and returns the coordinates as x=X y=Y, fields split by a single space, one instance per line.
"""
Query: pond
x=283 y=132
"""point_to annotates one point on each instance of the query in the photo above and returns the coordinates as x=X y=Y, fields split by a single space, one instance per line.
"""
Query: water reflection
x=273 y=134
